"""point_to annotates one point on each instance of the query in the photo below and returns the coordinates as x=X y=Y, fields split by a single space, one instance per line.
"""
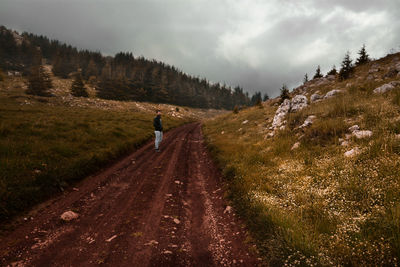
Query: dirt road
x=149 y=209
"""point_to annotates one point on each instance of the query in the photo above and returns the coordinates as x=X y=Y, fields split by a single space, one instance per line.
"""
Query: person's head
x=158 y=112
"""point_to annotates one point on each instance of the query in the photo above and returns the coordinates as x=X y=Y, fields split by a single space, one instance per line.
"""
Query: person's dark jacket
x=157 y=123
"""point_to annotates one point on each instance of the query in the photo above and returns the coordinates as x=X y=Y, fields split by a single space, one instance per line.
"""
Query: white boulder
x=383 y=88
x=280 y=113
x=69 y=216
x=354 y=128
x=332 y=93
x=362 y=134
x=310 y=119
x=315 y=97
x=351 y=153
x=298 y=103
x=295 y=146
x=245 y=121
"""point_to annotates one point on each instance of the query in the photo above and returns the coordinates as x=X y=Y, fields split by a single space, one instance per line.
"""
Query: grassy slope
x=47 y=144
x=312 y=205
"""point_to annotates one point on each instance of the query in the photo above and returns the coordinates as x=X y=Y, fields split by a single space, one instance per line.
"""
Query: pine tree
x=284 y=93
x=333 y=71
x=318 y=73
x=346 y=67
x=39 y=82
x=305 y=80
x=363 y=56
x=266 y=97
x=78 y=88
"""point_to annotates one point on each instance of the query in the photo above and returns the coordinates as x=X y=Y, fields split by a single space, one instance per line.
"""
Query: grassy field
x=47 y=144
x=312 y=205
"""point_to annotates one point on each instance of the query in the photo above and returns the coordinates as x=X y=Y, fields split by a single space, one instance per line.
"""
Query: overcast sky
x=257 y=44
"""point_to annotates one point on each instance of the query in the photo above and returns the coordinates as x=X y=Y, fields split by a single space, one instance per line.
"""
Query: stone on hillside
x=373 y=70
x=295 y=146
x=332 y=93
x=298 y=103
x=315 y=97
x=383 y=88
x=310 y=119
x=362 y=134
x=397 y=67
x=245 y=121
x=321 y=81
x=354 y=128
x=69 y=216
x=344 y=143
x=391 y=73
x=351 y=153
x=331 y=77
x=228 y=209
x=270 y=135
x=281 y=113
x=347 y=136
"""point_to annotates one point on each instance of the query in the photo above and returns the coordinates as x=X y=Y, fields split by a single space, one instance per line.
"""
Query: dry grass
x=85 y=134
x=315 y=206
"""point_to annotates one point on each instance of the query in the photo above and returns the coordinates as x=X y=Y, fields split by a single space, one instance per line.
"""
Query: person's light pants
x=158 y=140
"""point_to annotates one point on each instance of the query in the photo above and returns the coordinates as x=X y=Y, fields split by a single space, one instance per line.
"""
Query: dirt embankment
x=149 y=209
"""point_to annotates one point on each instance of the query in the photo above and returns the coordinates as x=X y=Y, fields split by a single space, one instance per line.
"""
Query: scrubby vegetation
x=309 y=204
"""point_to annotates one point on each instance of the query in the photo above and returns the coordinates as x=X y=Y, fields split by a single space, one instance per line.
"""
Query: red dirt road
x=149 y=209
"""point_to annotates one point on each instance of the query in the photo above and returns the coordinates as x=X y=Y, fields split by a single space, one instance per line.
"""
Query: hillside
x=121 y=77
x=317 y=177
x=84 y=134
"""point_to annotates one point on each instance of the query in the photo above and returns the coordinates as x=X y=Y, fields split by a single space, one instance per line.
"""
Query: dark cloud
x=257 y=44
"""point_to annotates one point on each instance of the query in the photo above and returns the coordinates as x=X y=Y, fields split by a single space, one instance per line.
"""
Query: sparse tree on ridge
x=363 y=56
x=333 y=71
x=266 y=97
x=318 y=73
x=284 y=93
x=305 y=80
x=256 y=99
x=346 y=67
x=78 y=88
x=39 y=82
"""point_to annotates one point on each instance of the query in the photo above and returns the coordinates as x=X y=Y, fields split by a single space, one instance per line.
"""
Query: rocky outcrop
x=332 y=93
x=352 y=153
x=310 y=119
x=374 y=68
x=359 y=134
x=280 y=114
x=297 y=103
x=315 y=97
x=386 y=87
x=362 y=134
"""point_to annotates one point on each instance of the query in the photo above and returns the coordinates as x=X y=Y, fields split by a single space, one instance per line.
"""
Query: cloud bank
x=256 y=44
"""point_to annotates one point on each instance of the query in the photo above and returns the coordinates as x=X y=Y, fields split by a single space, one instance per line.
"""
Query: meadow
x=47 y=145
x=311 y=205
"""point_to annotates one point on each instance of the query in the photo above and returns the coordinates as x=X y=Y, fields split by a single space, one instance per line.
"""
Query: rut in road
x=149 y=209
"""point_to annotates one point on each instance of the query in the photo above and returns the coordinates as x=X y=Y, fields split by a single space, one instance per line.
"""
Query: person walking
x=158 y=130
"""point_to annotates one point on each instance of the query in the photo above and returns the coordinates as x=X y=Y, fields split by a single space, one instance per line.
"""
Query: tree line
x=119 y=77
x=345 y=72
